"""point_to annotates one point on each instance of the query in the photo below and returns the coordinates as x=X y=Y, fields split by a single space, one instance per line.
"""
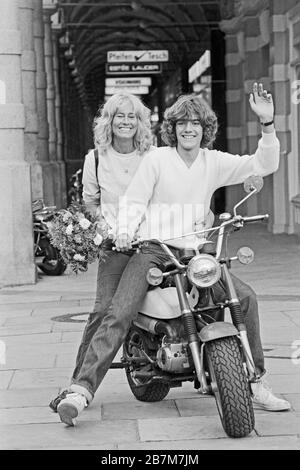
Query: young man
x=185 y=174
x=169 y=195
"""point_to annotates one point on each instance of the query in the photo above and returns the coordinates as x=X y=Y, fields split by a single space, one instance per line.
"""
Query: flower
x=78 y=236
x=79 y=257
x=98 y=239
x=69 y=229
x=84 y=223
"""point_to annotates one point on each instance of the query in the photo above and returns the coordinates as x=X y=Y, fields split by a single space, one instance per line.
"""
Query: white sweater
x=115 y=171
x=166 y=198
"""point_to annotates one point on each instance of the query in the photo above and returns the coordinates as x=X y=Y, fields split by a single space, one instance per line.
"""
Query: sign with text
x=138 y=56
x=129 y=81
x=129 y=69
x=199 y=67
x=135 y=90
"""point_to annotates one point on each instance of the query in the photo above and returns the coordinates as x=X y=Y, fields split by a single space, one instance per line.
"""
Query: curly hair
x=187 y=107
x=103 y=122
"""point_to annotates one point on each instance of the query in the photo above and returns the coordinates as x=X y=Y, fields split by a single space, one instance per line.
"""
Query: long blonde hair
x=103 y=123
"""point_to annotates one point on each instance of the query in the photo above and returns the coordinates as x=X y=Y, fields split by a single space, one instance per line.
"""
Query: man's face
x=124 y=124
x=189 y=133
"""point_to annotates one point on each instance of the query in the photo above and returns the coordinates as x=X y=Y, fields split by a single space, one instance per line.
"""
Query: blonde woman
x=122 y=137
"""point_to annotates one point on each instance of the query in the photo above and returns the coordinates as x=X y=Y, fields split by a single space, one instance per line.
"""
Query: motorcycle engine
x=173 y=357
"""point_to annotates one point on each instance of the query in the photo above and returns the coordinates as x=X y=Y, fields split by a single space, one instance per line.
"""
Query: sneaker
x=264 y=399
x=70 y=407
x=55 y=402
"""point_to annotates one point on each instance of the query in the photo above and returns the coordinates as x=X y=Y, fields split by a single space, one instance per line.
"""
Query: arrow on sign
x=138 y=57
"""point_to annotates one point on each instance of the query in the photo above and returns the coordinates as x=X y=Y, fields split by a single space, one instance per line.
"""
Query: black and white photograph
x=149 y=228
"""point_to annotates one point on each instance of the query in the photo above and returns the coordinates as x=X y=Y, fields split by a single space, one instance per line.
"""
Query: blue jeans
x=121 y=288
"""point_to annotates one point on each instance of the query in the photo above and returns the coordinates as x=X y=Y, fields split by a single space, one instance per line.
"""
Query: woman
x=122 y=136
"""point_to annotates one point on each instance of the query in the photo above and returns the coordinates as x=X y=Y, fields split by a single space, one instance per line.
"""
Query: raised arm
x=234 y=169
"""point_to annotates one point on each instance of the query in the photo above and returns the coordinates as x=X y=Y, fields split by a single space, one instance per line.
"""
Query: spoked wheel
x=135 y=345
x=230 y=386
x=52 y=263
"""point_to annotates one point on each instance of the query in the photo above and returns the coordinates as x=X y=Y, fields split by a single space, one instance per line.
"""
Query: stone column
x=41 y=87
x=281 y=72
x=62 y=199
x=48 y=10
x=16 y=248
x=236 y=119
x=29 y=97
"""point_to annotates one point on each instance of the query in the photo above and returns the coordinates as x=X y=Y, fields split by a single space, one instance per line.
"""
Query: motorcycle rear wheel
x=230 y=386
x=52 y=264
x=134 y=345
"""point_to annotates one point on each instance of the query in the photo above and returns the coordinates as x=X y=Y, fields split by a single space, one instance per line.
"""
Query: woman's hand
x=261 y=103
x=123 y=242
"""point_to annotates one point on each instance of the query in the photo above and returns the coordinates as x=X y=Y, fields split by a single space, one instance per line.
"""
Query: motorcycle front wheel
x=134 y=346
x=52 y=264
x=230 y=386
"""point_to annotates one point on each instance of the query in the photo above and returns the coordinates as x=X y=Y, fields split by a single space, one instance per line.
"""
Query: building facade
x=45 y=120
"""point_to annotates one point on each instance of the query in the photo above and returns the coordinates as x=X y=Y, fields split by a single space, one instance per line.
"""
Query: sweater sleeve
x=91 y=190
x=234 y=169
x=134 y=203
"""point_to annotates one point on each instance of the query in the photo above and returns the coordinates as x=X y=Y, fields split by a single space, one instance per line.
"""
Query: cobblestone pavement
x=40 y=353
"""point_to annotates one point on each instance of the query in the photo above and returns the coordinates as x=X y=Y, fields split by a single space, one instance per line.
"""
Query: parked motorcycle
x=75 y=191
x=47 y=257
x=180 y=334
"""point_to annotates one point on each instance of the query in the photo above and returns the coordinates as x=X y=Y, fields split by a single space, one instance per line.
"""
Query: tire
x=52 y=264
x=134 y=344
x=230 y=386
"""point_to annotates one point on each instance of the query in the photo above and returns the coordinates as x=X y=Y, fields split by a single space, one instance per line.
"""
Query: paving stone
x=58 y=311
x=280 y=423
x=67 y=326
x=71 y=336
x=36 y=378
x=280 y=335
x=39 y=348
x=27 y=360
x=281 y=366
x=27 y=415
x=34 y=339
x=25 y=313
x=31 y=397
x=139 y=410
x=65 y=360
x=115 y=393
x=246 y=443
x=282 y=383
x=59 y=436
x=294 y=399
x=166 y=429
x=5 y=378
x=198 y=406
x=21 y=321
x=29 y=298
x=25 y=329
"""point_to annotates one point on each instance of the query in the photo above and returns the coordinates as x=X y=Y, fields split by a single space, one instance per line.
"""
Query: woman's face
x=124 y=123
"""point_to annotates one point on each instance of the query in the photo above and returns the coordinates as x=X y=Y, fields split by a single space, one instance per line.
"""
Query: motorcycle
x=47 y=257
x=75 y=191
x=180 y=334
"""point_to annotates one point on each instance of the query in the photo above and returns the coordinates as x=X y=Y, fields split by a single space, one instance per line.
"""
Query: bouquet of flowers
x=78 y=235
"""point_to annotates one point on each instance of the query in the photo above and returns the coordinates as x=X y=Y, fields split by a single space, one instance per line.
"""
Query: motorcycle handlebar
x=255 y=218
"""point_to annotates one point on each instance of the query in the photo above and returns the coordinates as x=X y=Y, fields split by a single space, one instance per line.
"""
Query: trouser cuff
x=80 y=389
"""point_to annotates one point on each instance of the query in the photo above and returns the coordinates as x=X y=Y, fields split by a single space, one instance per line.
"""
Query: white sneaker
x=70 y=407
x=264 y=399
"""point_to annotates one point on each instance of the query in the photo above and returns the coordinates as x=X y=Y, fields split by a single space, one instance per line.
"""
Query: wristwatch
x=267 y=123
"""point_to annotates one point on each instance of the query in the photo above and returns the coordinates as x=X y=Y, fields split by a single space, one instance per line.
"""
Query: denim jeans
x=121 y=288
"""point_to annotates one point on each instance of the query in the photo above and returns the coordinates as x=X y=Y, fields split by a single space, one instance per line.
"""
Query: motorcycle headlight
x=203 y=270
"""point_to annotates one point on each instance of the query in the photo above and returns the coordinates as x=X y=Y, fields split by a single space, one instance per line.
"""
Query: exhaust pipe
x=156 y=326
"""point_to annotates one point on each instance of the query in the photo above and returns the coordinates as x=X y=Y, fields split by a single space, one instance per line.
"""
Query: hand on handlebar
x=123 y=242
